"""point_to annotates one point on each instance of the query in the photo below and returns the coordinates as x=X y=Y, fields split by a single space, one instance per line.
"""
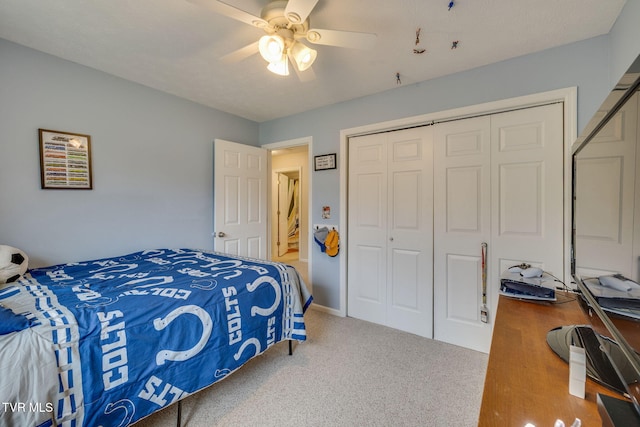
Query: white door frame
x=308 y=141
x=567 y=95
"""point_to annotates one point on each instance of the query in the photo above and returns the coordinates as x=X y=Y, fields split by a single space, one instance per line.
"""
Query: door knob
x=221 y=234
x=391 y=239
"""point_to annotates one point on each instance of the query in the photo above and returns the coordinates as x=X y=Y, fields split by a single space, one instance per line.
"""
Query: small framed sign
x=325 y=161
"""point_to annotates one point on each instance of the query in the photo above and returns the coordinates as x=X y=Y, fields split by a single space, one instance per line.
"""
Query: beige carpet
x=348 y=373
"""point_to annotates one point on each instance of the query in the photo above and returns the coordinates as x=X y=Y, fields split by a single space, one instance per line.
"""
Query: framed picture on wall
x=65 y=160
x=325 y=161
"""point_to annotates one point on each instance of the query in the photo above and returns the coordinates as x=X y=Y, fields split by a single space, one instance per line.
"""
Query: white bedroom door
x=240 y=199
x=390 y=274
x=498 y=181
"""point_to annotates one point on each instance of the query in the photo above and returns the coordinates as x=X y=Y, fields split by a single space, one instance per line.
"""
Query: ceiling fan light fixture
x=303 y=56
x=280 y=67
x=271 y=48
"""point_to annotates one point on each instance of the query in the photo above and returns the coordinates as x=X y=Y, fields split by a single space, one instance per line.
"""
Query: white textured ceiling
x=175 y=46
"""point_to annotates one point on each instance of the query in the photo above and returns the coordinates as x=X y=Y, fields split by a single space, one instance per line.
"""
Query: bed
x=110 y=341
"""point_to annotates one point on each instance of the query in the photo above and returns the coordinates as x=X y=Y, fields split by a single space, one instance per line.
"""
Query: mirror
x=607 y=188
x=606 y=224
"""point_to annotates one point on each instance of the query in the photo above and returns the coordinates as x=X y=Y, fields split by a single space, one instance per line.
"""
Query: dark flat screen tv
x=605 y=239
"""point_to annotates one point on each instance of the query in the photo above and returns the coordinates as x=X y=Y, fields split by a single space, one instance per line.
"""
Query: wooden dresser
x=526 y=381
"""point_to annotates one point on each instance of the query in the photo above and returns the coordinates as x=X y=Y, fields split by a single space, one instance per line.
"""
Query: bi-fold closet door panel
x=462 y=222
x=498 y=180
x=391 y=229
x=367 y=242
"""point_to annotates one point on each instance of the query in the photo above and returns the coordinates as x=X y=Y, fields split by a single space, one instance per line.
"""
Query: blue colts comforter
x=110 y=341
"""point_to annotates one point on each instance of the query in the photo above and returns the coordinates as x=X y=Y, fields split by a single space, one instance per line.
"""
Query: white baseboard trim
x=327 y=310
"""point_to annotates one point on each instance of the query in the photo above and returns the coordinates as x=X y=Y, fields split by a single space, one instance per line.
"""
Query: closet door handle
x=391 y=239
x=484 y=310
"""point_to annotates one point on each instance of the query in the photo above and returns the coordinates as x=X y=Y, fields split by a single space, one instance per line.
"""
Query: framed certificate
x=65 y=160
x=325 y=161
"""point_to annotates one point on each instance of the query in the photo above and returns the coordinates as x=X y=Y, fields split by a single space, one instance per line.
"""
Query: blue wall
x=152 y=161
x=593 y=65
x=625 y=40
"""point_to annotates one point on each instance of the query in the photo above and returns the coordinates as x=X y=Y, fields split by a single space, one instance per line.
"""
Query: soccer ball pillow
x=13 y=264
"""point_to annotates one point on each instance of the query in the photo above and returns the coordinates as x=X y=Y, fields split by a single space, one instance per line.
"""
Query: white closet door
x=499 y=180
x=390 y=229
x=410 y=231
x=367 y=242
x=527 y=191
x=462 y=222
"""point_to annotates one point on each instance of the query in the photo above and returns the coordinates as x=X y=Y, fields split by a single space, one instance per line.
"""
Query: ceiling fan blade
x=240 y=54
x=231 y=12
x=297 y=11
x=342 y=38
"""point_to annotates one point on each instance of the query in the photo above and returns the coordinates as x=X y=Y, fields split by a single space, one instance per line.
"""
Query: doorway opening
x=287 y=214
x=289 y=207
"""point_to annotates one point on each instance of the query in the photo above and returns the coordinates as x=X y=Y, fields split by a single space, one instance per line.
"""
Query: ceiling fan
x=286 y=24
